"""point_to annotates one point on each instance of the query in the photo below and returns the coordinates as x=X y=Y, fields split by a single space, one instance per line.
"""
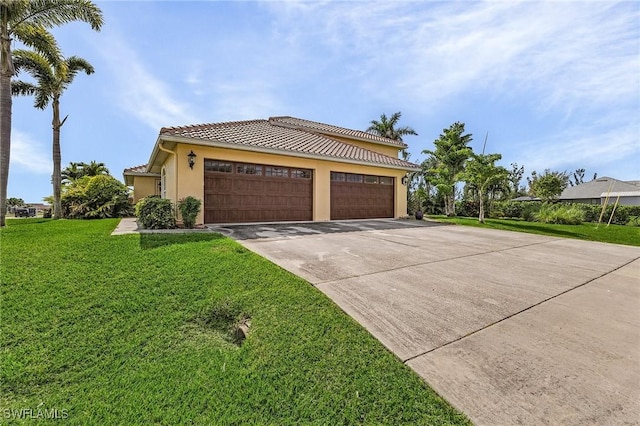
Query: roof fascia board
x=141 y=174
x=217 y=144
x=155 y=152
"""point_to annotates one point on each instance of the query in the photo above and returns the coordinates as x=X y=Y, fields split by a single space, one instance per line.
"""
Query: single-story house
x=527 y=198
x=279 y=169
x=598 y=190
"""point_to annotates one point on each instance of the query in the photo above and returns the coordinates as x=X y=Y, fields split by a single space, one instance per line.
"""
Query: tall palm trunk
x=6 y=72
x=57 y=159
x=5 y=141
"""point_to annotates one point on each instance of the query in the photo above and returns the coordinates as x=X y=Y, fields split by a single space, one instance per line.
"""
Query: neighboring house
x=526 y=198
x=40 y=207
x=597 y=191
x=280 y=169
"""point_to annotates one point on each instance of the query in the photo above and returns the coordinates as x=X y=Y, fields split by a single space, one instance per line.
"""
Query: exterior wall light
x=192 y=159
x=405 y=180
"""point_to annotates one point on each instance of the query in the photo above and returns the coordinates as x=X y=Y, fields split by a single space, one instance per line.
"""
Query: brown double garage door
x=356 y=196
x=240 y=192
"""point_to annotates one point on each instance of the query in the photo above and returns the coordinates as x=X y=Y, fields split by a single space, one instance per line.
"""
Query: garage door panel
x=357 y=199
x=238 y=197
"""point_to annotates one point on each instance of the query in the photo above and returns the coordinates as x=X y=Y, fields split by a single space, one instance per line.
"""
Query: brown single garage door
x=241 y=192
x=355 y=196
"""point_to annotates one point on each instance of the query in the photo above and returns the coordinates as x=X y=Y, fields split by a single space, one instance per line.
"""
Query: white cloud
x=141 y=92
x=29 y=154
x=566 y=54
x=603 y=143
x=560 y=63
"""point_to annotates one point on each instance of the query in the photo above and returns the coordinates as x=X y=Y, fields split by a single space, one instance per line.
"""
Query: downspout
x=175 y=162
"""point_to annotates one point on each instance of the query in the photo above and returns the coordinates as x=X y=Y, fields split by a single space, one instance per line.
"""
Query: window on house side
x=337 y=177
x=276 y=171
x=354 y=178
x=301 y=173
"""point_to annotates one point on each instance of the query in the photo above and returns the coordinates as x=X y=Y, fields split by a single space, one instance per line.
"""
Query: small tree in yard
x=482 y=172
x=189 y=208
x=549 y=185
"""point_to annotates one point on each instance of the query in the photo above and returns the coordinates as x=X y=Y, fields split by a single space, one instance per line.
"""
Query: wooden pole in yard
x=604 y=206
x=613 y=211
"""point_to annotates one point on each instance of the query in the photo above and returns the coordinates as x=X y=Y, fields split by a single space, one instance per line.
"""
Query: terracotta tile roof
x=137 y=169
x=264 y=134
x=330 y=129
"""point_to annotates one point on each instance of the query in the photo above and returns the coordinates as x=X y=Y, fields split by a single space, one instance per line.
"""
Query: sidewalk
x=128 y=225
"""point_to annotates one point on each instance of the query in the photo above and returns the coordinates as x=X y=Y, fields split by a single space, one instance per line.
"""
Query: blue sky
x=555 y=84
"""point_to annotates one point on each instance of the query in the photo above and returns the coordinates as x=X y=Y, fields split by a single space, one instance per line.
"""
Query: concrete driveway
x=510 y=328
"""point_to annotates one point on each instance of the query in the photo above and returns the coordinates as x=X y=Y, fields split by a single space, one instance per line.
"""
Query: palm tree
x=52 y=80
x=72 y=172
x=386 y=127
x=75 y=171
x=94 y=169
x=449 y=157
x=27 y=21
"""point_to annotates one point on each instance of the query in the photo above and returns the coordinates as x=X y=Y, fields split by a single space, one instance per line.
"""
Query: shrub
x=634 y=215
x=621 y=216
x=515 y=209
x=96 y=197
x=189 y=208
x=529 y=210
x=591 y=211
x=560 y=214
x=468 y=208
x=154 y=212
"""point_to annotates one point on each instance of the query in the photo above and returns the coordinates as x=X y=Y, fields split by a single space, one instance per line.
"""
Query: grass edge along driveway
x=614 y=234
x=134 y=329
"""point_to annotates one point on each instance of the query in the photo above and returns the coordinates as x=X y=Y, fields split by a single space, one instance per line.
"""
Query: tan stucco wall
x=191 y=182
x=143 y=186
x=390 y=151
x=169 y=168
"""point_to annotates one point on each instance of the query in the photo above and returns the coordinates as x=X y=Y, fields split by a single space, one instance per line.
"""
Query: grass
x=617 y=234
x=117 y=330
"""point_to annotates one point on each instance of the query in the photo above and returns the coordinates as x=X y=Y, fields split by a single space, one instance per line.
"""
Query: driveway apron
x=510 y=328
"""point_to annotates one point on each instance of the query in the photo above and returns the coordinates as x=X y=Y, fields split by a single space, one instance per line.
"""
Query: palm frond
x=12 y=11
x=23 y=88
x=76 y=64
x=52 y=13
x=35 y=64
x=40 y=40
x=42 y=99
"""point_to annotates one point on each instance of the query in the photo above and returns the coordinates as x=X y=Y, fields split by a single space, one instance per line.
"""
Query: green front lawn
x=618 y=234
x=131 y=330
